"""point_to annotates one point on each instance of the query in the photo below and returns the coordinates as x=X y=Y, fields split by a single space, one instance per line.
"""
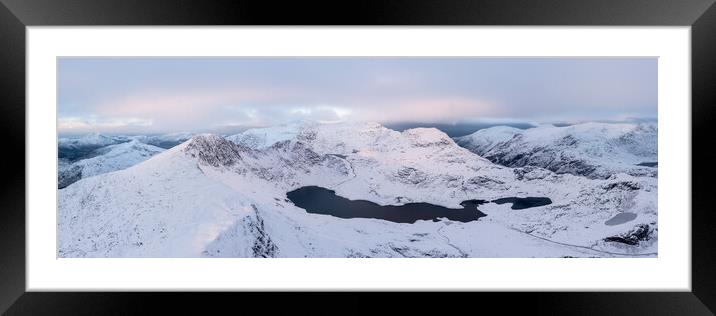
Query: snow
x=94 y=139
x=164 y=140
x=110 y=158
x=264 y=137
x=216 y=197
x=595 y=150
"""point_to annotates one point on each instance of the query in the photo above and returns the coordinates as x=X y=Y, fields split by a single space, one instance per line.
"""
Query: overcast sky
x=156 y=95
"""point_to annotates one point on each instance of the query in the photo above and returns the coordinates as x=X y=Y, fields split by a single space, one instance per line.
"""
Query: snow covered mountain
x=75 y=148
x=594 y=150
x=92 y=154
x=71 y=149
x=93 y=139
x=105 y=159
x=211 y=197
x=165 y=141
x=263 y=137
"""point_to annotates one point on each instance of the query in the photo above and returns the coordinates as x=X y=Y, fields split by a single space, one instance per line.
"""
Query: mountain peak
x=425 y=137
x=213 y=150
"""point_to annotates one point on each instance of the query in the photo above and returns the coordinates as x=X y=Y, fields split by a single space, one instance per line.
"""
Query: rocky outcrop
x=263 y=246
x=213 y=150
x=639 y=233
x=68 y=176
x=622 y=185
x=410 y=175
x=247 y=237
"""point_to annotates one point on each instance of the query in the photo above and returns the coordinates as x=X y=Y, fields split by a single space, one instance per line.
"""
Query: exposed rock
x=214 y=150
x=68 y=176
x=248 y=237
x=263 y=246
x=411 y=175
x=531 y=173
x=632 y=237
x=622 y=185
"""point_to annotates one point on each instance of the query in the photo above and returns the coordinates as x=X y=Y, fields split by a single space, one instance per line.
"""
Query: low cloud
x=94 y=123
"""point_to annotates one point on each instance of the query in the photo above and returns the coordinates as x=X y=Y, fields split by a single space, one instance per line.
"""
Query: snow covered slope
x=165 y=141
x=263 y=137
x=74 y=148
x=105 y=159
x=94 y=139
x=594 y=150
x=210 y=197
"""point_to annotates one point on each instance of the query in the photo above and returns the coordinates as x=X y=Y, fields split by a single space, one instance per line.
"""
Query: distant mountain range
x=95 y=154
x=214 y=196
x=105 y=159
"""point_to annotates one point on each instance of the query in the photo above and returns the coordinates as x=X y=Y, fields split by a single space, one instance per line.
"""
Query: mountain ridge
x=593 y=150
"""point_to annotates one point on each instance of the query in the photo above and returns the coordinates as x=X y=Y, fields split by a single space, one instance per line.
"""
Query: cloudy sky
x=156 y=95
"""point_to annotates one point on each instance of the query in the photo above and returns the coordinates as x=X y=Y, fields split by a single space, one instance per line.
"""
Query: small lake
x=648 y=164
x=620 y=218
x=523 y=203
x=318 y=200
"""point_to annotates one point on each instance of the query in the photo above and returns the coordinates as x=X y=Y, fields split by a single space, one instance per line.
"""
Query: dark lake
x=648 y=164
x=318 y=200
x=523 y=203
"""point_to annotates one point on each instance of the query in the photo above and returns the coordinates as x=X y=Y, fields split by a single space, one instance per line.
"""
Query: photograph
x=357 y=157
x=243 y=151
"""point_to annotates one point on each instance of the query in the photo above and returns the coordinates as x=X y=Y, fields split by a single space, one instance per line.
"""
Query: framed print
x=466 y=147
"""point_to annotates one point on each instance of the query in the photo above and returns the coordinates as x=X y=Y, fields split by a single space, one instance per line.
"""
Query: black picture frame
x=15 y=15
